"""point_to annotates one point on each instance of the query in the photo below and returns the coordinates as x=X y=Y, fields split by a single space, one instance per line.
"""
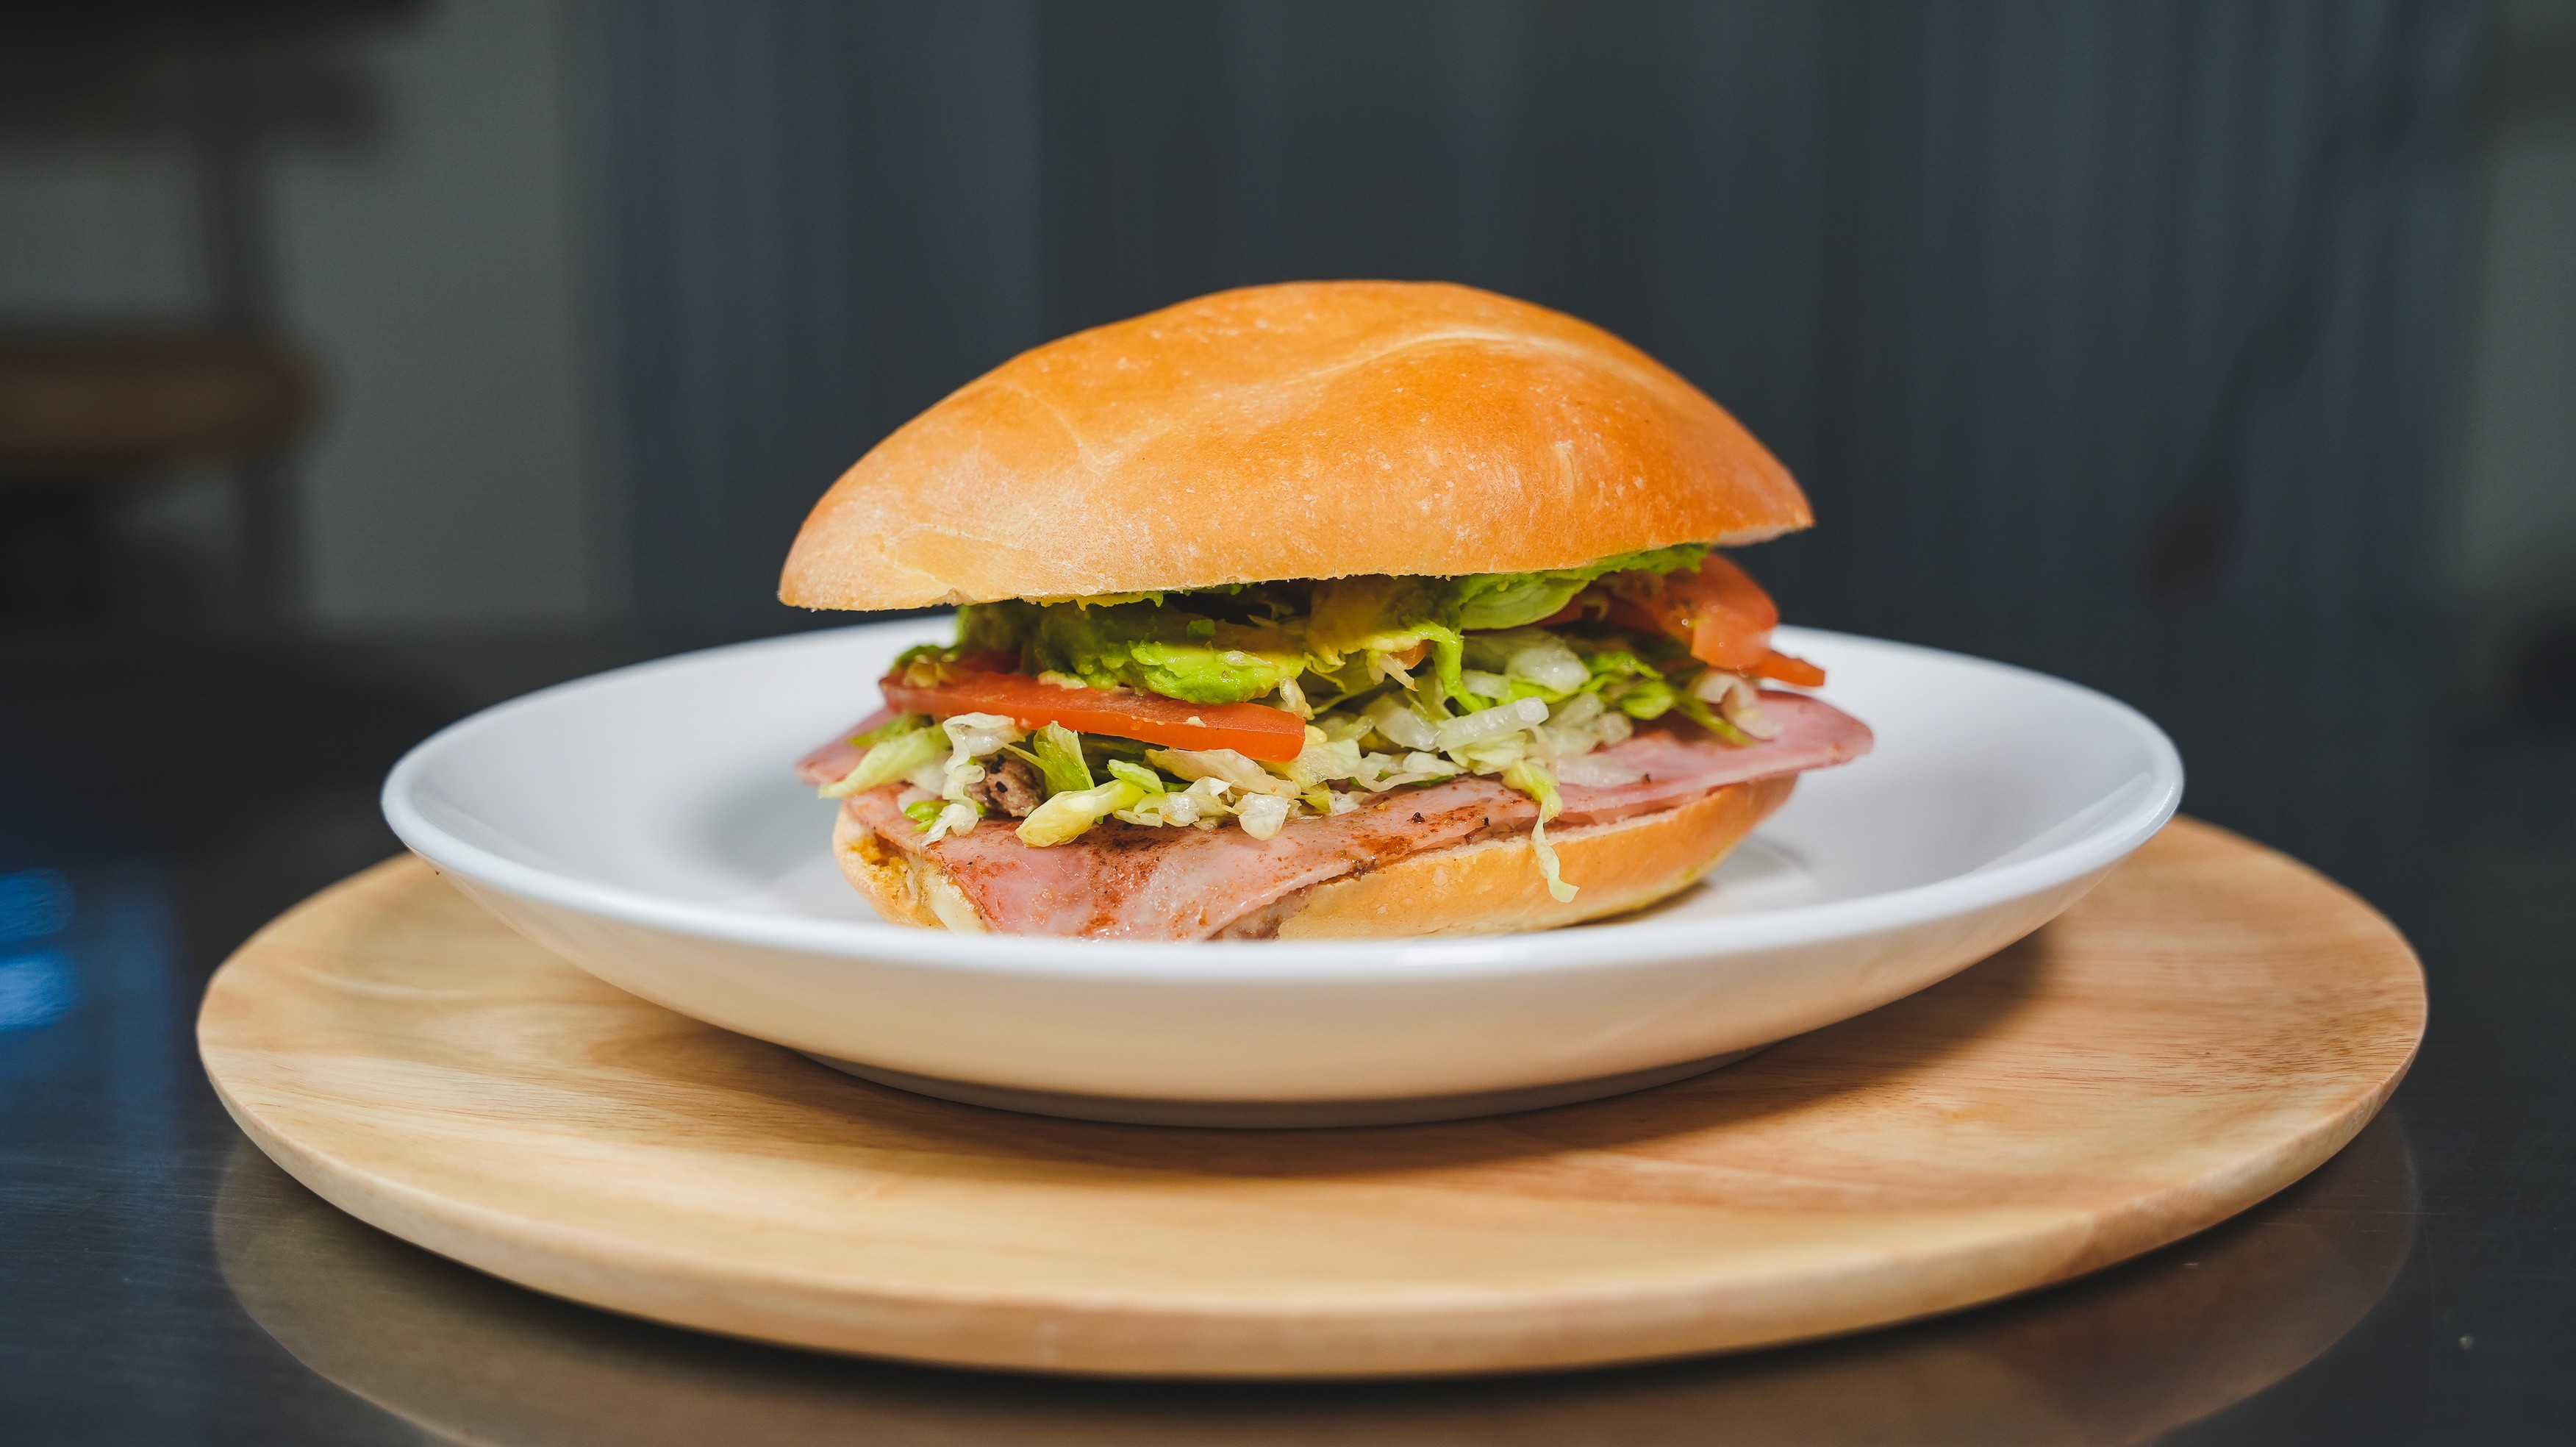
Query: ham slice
x=1129 y=882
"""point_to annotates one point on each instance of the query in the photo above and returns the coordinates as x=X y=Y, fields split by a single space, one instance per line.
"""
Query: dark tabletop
x=161 y=1282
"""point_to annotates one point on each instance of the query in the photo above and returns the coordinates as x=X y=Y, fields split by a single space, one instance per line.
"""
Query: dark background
x=2219 y=355
x=2004 y=285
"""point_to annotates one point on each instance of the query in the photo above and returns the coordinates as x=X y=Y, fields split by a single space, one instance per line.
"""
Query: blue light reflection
x=36 y=989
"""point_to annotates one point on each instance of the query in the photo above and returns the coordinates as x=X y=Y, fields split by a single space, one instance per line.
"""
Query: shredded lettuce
x=1225 y=765
x=915 y=757
x=1159 y=801
x=1539 y=663
x=902 y=723
x=1393 y=718
x=890 y=758
x=1540 y=785
x=1492 y=724
x=1203 y=803
x=1699 y=713
x=1146 y=780
x=1736 y=700
x=1264 y=815
x=1645 y=699
x=1064 y=817
x=1056 y=753
x=1403 y=680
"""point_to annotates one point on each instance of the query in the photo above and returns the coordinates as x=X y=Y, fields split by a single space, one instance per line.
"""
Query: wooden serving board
x=2205 y=1028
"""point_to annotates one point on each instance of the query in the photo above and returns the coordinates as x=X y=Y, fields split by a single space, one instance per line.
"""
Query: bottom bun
x=1492 y=887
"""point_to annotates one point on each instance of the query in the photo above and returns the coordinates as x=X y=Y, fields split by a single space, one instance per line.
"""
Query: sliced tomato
x=1649 y=615
x=1248 y=728
x=1731 y=617
x=1718 y=611
x=1785 y=669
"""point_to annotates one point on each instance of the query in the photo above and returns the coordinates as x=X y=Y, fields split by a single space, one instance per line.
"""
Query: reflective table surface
x=162 y=1282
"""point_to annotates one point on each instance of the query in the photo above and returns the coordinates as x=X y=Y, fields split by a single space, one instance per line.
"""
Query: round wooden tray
x=2120 y=1356
x=2204 y=1029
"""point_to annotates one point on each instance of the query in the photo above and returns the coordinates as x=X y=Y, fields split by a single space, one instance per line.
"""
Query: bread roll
x=1310 y=430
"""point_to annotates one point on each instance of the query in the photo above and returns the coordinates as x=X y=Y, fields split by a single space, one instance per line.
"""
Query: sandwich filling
x=1251 y=707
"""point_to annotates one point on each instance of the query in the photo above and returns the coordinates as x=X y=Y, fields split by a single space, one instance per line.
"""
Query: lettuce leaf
x=1534 y=780
x=1145 y=779
x=1068 y=815
x=1513 y=600
x=890 y=758
x=1056 y=753
x=1700 y=713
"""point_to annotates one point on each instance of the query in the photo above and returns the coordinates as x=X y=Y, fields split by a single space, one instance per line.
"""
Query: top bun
x=1309 y=430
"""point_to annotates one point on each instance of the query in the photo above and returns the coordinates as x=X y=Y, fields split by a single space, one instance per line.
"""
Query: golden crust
x=880 y=873
x=1308 y=430
x=1493 y=887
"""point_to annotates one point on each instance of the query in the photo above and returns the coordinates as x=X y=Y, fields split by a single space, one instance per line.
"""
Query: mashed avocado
x=1250 y=641
x=1165 y=648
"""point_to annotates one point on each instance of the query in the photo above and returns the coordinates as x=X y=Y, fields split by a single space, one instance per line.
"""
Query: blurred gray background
x=2221 y=355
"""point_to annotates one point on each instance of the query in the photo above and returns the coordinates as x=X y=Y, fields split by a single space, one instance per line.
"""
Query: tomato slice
x=1253 y=729
x=1650 y=615
x=1731 y=617
x=1718 y=611
x=1780 y=666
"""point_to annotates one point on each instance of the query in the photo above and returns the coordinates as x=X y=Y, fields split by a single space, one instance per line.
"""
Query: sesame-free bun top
x=1308 y=430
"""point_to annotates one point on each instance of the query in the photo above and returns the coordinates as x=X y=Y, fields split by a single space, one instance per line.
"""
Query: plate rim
x=1635 y=943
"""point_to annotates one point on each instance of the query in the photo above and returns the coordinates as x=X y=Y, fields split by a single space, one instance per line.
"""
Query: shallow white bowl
x=644 y=824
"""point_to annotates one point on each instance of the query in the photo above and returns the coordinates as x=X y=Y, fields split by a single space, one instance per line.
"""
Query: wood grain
x=2205 y=1028
x=2116 y=1358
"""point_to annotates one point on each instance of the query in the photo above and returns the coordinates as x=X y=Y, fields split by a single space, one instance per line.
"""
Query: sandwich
x=1324 y=609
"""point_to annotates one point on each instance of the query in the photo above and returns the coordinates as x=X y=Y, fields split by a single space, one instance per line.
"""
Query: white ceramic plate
x=644 y=823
